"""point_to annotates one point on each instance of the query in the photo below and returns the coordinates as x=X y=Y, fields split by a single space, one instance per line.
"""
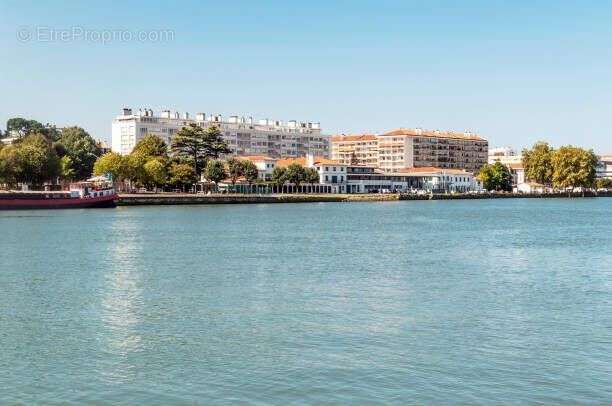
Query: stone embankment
x=146 y=199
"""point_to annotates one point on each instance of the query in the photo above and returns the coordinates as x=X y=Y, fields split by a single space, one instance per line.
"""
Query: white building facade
x=243 y=135
x=604 y=166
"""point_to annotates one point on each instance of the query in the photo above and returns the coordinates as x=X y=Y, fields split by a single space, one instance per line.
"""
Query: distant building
x=505 y=155
x=103 y=146
x=412 y=148
x=604 y=166
x=10 y=137
x=244 y=136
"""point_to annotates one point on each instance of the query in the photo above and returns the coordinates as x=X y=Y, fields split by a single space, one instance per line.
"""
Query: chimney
x=127 y=111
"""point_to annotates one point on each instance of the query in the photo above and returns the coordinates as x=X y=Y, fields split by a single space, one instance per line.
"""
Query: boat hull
x=58 y=203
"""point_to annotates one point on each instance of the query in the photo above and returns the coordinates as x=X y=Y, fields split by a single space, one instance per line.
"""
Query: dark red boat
x=80 y=196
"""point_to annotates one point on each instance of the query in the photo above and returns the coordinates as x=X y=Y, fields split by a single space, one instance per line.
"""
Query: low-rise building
x=331 y=173
x=265 y=165
x=369 y=179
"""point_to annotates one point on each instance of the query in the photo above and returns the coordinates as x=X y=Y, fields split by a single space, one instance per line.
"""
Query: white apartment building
x=604 y=166
x=245 y=136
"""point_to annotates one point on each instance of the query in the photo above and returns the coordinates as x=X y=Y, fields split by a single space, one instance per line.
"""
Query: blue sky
x=515 y=72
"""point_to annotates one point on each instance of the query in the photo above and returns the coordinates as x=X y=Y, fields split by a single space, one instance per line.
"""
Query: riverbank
x=156 y=199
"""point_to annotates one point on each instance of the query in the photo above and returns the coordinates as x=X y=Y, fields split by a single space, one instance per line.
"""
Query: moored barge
x=80 y=196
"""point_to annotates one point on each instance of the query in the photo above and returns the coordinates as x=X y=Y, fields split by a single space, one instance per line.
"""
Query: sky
x=514 y=72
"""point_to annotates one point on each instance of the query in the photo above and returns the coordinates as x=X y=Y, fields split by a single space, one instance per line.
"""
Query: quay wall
x=149 y=199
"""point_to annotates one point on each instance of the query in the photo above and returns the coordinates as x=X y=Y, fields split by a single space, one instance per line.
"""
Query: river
x=424 y=302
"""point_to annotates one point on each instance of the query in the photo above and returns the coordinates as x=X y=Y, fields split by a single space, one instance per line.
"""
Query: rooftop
x=354 y=137
x=417 y=132
x=303 y=161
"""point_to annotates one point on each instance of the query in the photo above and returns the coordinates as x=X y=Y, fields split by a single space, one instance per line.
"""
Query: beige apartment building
x=412 y=148
x=358 y=149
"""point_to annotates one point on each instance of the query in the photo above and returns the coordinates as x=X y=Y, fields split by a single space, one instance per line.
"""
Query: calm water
x=477 y=302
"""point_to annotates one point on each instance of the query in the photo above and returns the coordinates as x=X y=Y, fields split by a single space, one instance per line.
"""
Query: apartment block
x=244 y=136
x=409 y=148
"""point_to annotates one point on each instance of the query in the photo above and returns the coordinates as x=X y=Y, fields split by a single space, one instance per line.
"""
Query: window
x=327 y=169
x=326 y=178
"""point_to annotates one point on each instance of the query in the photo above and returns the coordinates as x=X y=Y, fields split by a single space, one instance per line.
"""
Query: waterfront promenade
x=146 y=199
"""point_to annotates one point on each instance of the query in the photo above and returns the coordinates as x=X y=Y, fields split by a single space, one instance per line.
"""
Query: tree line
x=42 y=153
x=562 y=168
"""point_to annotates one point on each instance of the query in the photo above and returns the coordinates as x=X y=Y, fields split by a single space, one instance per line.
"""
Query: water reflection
x=122 y=301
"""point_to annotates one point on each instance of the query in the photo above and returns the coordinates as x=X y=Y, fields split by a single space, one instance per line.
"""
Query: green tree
x=151 y=145
x=296 y=174
x=111 y=163
x=279 y=177
x=82 y=150
x=196 y=145
x=537 y=162
x=67 y=171
x=181 y=174
x=36 y=160
x=250 y=172
x=604 y=183
x=215 y=171
x=235 y=169
x=9 y=165
x=155 y=171
x=496 y=177
x=573 y=167
x=23 y=126
x=135 y=170
x=312 y=175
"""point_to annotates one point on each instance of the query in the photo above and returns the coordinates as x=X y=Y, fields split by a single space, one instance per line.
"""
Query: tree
x=82 y=150
x=573 y=167
x=135 y=168
x=181 y=174
x=67 y=171
x=22 y=126
x=604 y=183
x=296 y=174
x=9 y=165
x=250 y=172
x=151 y=145
x=197 y=145
x=312 y=175
x=496 y=177
x=215 y=171
x=537 y=162
x=35 y=161
x=111 y=163
x=155 y=172
x=235 y=169
x=279 y=177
